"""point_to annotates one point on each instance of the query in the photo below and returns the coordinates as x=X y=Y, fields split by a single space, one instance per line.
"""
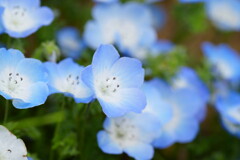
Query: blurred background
x=186 y=25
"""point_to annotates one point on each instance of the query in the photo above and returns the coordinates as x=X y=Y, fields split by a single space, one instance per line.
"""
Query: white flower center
x=17 y=18
x=109 y=86
x=11 y=83
x=71 y=81
x=123 y=131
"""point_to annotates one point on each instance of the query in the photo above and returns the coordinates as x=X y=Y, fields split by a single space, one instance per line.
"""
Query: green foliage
x=166 y=65
x=190 y=18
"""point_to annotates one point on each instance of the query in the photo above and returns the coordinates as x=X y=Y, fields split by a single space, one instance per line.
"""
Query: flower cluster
x=225 y=64
x=144 y=109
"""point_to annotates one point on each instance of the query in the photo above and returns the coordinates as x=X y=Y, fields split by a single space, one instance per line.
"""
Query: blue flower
x=229 y=17
x=191 y=1
x=12 y=148
x=229 y=108
x=225 y=61
x=132 y=134
x=121 y=24
x=176 y=110
x=105 y=1
x=115 y=82
x=66 y=77
x=24 y=80
x=188 y=78
x=70 y=42
x=157 y=48
x=20 y=18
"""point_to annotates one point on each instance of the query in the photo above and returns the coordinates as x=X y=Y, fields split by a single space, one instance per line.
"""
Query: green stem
x=57 y=129
x=6 y=112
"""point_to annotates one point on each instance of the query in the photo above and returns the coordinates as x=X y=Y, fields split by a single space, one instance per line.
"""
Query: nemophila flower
x=105 y=1
x=115 y=82
x=70 y=42
x=66 y=77
x=176 y=110
x=225 y=61
x=229 y=17
x=20 y=18
x=188 y=78
x=229 y=108
x=11 y=147
x=132 y=134
x=22 y=80
x=191 y=1
x=121 y=24
x=157 y=48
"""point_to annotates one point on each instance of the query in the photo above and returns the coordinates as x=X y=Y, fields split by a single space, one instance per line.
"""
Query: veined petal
x=129 y=71
x=10 y=57
x=125 y=100
x=103 y=59
x=33 y=69
x=34 y=95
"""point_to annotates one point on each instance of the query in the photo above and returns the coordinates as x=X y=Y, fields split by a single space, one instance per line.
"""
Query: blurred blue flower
x=66 y=77
x=132 y=134
x=20 y=18
x=22 y=80
x=115 y=81
x=229 y=108
x=225 y=61
x=105 y=1
x=225 y=14
x=191 y=1
x=176 y=110
x=159 y=47
x=70 y=42
x=121 y=24
x=188 y=78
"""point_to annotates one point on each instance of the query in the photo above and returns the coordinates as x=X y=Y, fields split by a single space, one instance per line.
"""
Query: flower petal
x=129 y=71
x=103 y=59
x=125 y=100
x=106 y=144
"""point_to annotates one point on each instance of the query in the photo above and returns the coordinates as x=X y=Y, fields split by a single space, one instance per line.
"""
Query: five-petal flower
x=66 y=77
x=24 y=80
x=20 y=18
x=115 y=81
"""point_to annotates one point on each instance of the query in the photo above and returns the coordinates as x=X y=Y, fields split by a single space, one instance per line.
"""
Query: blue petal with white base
x=131 y=133
x=66 y=77
x=21 y=18
x=115 y=82
x=23 y=80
